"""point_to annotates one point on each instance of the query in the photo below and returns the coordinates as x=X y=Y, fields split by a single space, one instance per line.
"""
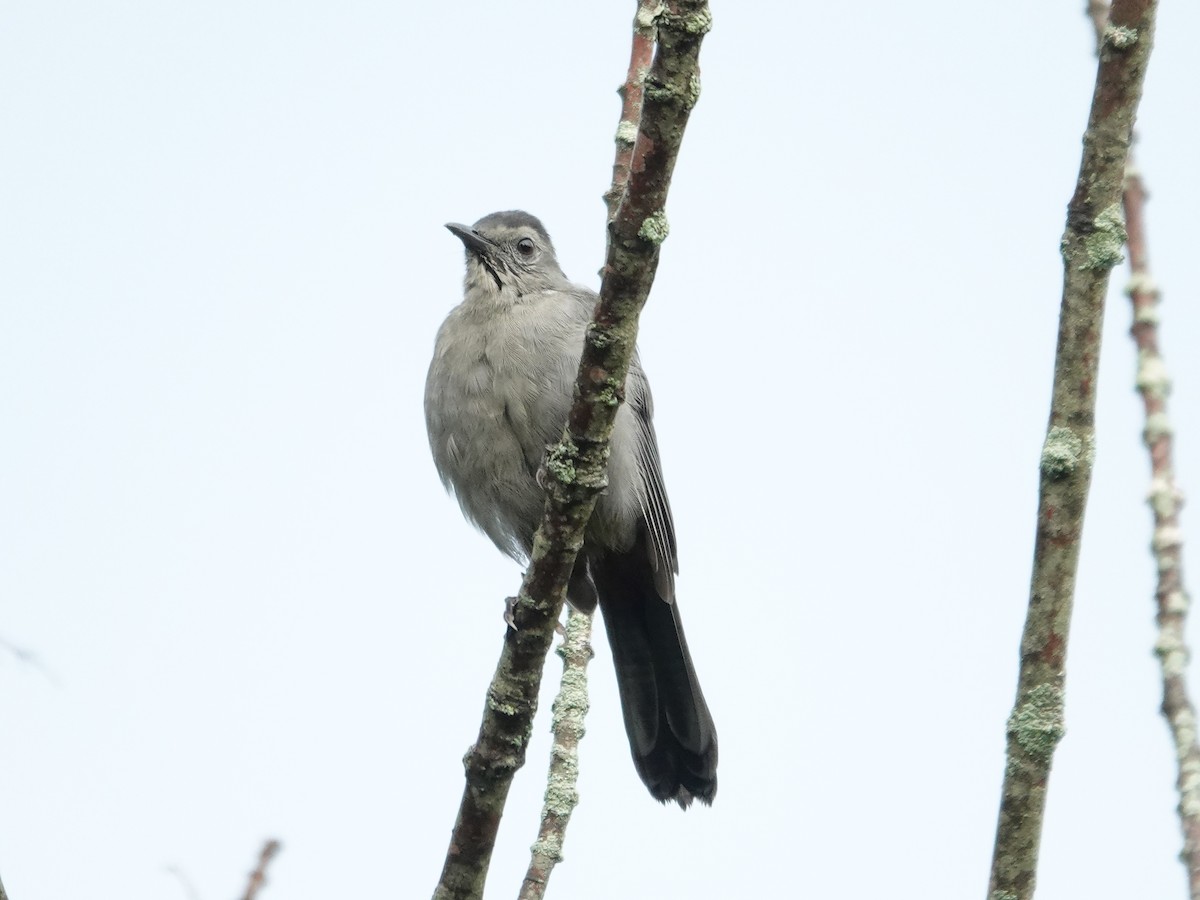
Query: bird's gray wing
x=656 y=509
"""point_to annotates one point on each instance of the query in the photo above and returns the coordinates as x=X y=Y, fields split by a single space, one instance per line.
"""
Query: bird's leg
x=510 y=619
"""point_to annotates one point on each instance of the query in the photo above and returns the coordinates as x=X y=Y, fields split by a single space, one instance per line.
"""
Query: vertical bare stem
x=258 y=877
x=640 y=55
x=1091 y=246
x=1165 y=500
x=570 y=709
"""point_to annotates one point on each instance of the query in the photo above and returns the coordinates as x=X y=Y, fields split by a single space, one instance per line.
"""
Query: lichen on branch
x=1091 y=246
x=641 y=180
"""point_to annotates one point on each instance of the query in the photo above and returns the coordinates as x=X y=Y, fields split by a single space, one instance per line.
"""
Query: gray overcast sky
x=222 y=264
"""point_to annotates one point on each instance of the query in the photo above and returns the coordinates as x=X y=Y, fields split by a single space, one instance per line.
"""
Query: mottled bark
x=1091 y=246
x=575 y=467
x=1171 y=597
x=569 y=711
x=1165 y=498
x=640 y=56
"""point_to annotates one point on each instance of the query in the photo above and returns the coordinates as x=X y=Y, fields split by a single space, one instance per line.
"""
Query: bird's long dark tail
x=671 y=731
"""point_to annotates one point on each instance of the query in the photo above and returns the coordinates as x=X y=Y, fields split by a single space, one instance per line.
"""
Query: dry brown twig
x=1091 y=246
x=576 y=465
x=258 y=877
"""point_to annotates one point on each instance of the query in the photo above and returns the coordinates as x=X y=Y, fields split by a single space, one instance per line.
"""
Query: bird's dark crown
x=499 y=225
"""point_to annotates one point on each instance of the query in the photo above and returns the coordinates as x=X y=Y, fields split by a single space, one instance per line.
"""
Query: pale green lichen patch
x=1189 y=800
x=655 y=229
x=1163 y=498
x=1037 y=722
x=1146 y=314
x=699 y=22
x=1183 y=724
x=1164 y=562
x=1062 y=452
x=549 y=847
x=1152 y=375
x=627 y=132
x=501 y=706
x=1166 y=537
x=647 y=17
x=1120 y=36
x=1171 y=652
x=599 y=337
x=561 y=796
x=610 y=394
x=1177 y=602
x=659 y=91
x=1103 y=245
x=692 y=97
x=560 y=461
x=1140 y=283
x=1003 y=895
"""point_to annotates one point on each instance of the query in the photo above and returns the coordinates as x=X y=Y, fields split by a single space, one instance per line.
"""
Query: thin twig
x=570 y=709
x=3 y=893
x=576 y=465
x=1091 y=246
x=1165 y=499
x=640 y=56
x=258 y=877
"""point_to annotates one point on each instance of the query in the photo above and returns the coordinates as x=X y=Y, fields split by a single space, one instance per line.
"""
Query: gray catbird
x=498 y=392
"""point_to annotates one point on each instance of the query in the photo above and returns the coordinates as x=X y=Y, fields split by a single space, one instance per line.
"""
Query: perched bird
x=498 y=393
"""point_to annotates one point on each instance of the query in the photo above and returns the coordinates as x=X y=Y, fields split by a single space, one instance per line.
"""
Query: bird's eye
x=525 y=245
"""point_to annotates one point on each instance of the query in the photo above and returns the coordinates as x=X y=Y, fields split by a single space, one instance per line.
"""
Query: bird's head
x=509 y=252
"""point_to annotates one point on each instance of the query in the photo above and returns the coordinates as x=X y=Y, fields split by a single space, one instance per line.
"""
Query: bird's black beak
x=474 y=242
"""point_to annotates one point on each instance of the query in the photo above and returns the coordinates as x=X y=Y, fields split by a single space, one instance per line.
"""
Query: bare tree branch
x=571 y=704
x=640 y=56
x=258 y=877
x=1091 y=246
x=576 y=466
x=570 y=709
x=1165 y=500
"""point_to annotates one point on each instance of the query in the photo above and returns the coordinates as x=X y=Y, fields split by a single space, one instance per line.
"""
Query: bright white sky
x=256 y=614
